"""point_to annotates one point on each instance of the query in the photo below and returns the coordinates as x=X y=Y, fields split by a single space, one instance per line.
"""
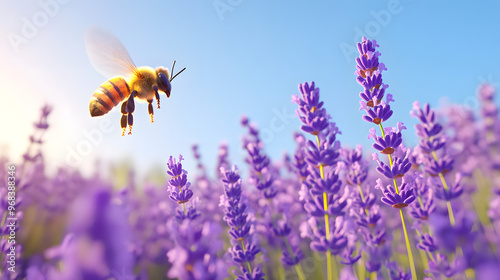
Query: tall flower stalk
x=244 y=248
x=369 y=72
x=178 y=185
x=263 y=175
x=194 y=255
x=437 y=162
x=322 y=193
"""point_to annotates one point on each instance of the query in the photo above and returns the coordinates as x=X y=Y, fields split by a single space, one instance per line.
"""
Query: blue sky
x=242 y=57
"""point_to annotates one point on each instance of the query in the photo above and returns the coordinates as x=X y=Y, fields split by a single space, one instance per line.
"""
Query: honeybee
x=110 y=58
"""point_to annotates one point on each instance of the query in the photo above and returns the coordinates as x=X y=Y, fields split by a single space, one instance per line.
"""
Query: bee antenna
x=177 y=72
x=172 y=70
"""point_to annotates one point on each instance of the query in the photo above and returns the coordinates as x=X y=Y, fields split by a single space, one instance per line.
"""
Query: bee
x=110 y=58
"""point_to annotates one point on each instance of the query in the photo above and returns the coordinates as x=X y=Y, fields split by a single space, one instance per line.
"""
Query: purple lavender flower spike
x=367 y=202
x=222 y=158
x=451 y=193
x=194 y=256
x=175 y=168
x=330 y=184
x=248 y=255
x=299 y=162
x=256 y=274
x=179 y=187
x=449 y=237
x=442 y=165
x=442 y=266
x=257 y=160
x=356 y=174
x=337 y=242
x=397 y=273
x=321 y=190
x=290 y=260
x=401 y=200
x=327 y=156
x=375 y=237
x=99 y=239
x=429 y=126
x=281 y=229
x=427 y=243
x=310 y=112
x=348 y=257
x=190 y=214
x=378 y=114
x=370 y=220
x=180 y=197
x=424 y=210
x=428 y=145
x=399 y=168
x=244 y=249
x=388 y=144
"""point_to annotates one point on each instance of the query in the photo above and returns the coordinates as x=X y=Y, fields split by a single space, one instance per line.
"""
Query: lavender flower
x=222 y=158
x=427 y=243
x=321 y=191
x=76 y=226
x=369 y=75
x=179 y=187
x=436 y=159
x=397 y=200
x=36 y=138
x=98 y=243
x=424 y=209
x=490 y=132
x=263 y=175
x=311 y=111
x=194 y=255
x=244 y=249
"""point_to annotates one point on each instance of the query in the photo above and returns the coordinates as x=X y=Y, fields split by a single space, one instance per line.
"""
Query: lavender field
x=325 y=210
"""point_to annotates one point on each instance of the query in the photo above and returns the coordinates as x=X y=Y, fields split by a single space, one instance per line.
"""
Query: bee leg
x=157 y=96
x=150 y=109
x=130 y=123
x=123 y=121
x=130 y=110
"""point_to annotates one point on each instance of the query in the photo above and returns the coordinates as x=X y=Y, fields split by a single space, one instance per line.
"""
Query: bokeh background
x=242 y=57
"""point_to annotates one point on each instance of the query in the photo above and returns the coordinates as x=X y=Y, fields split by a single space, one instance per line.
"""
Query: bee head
x=163 y=80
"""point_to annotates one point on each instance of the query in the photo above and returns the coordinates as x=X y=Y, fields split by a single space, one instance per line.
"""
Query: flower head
x=398 y=200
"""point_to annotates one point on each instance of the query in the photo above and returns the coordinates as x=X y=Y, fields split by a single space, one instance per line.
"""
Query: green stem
x=334 y=263
x=183 y=206
x=363 y=198
x=445 y=186
x=408 y=247
x=431 y=256
x=300 y=272
x=248 y=263
x=361 y=267
x=407 y=239
x=327 y=223
x=329 y=273
x=298 y=267
x=390 y=160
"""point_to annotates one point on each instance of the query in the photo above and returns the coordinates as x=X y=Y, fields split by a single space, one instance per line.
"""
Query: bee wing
x=107 y=54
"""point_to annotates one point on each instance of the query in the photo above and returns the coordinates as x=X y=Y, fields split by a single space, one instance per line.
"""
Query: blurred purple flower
x=427 y=243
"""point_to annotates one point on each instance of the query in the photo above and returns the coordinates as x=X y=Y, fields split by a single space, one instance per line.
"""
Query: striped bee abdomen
x=108 y=95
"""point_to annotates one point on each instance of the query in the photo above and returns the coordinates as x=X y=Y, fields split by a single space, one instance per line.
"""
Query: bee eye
x=164 y=84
